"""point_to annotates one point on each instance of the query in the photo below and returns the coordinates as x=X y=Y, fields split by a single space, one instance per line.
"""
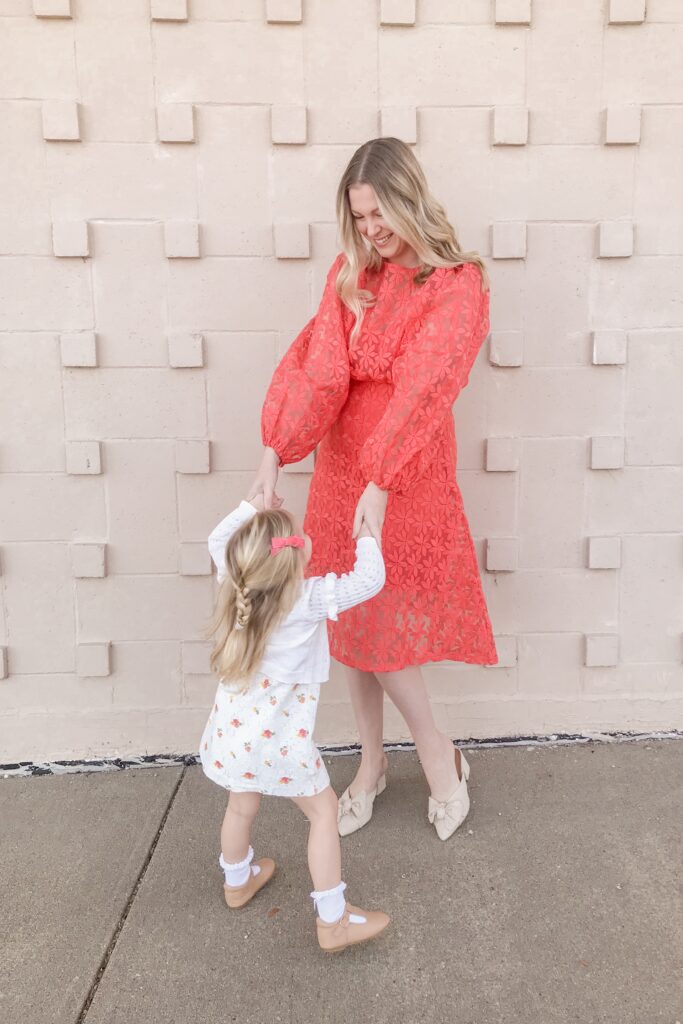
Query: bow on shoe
x=437 y=811
x=447 y=815
x=352 y=805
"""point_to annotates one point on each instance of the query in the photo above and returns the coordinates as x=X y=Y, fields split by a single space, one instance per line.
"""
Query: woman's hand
x=266 y=479
x=370 y=511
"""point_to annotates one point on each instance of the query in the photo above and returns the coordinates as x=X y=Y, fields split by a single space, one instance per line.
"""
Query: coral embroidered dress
x=379 y=407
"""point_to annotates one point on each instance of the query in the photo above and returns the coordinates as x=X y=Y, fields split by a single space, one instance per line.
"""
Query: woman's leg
x=236 y=829
x=408 y=691
x=367 y=699
x=324 y=850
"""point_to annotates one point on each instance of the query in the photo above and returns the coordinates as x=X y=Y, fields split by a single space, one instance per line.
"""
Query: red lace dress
x=380 y=409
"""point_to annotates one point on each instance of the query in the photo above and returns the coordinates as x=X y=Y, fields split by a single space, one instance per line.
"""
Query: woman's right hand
x=266 y=480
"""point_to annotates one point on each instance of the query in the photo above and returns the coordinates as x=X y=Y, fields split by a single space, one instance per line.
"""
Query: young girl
x=271 y=654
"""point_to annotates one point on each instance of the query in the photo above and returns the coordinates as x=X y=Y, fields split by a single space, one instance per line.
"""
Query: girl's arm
x=329 y=595
x=219 y=537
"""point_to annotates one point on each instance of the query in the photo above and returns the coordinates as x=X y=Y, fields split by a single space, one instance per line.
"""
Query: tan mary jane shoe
x=239 y=895
x=448 y=815
x=349 y=932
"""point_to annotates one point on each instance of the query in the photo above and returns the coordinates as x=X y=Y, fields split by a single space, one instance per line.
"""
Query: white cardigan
x=298 y=649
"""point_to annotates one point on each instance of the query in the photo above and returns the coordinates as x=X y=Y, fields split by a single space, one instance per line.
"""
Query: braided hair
x=259 y=589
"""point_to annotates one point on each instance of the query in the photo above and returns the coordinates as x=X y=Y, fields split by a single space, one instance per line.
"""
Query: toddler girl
x=271 y=655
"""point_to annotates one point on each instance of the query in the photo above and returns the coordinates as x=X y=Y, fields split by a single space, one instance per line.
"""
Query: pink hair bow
x=278 y=543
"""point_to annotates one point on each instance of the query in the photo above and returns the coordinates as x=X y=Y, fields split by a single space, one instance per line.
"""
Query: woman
x=371 y=379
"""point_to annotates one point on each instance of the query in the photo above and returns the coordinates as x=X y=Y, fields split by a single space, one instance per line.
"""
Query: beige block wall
x=167 y=174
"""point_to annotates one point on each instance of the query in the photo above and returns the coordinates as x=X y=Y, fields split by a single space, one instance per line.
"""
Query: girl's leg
x=407 y=690
x=236 y=829
x=324 y=850
x=367 y=699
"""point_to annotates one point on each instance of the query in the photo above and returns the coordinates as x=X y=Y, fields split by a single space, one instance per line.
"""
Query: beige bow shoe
x=239 y=895
x=354 y=926
x=448 y=815
x=356 y=811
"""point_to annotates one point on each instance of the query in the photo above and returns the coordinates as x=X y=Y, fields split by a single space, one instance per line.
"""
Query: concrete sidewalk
x=558 y=901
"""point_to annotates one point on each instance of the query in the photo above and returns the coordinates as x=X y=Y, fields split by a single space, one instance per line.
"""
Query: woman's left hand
x=371 y=510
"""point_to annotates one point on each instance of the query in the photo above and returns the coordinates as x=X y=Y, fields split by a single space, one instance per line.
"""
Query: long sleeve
x=219 y=537
x=428 y=375
x=310 y=385
x=327 y=596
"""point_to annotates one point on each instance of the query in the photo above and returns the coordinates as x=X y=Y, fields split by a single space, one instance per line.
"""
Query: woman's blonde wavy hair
x=410 y=210
x=258 y=591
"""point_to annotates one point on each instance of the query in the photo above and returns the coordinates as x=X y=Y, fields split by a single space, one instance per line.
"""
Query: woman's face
x=369 y=221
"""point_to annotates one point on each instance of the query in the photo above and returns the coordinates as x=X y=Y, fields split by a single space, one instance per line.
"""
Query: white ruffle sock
x=238 y=874
x=330 y=905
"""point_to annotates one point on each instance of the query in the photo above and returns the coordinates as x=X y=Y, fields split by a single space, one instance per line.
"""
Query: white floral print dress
x=259 y=737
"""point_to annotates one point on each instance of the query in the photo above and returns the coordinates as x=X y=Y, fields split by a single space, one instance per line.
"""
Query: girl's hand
x=370 y=512
x=265 y=481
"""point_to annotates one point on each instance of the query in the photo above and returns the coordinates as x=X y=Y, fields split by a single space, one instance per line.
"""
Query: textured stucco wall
x=167 y=173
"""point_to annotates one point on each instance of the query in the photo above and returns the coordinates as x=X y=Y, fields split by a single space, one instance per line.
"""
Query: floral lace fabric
x=380 y=409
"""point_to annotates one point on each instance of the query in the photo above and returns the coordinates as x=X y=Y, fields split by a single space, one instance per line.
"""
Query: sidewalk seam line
x=111 y=946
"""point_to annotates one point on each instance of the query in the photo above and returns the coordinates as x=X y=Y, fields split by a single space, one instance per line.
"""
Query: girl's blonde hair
x=410 y=210
x=258 y=591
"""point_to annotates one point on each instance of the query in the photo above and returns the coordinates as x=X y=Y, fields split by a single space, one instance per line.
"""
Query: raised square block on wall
x=192 y=456
x=194 y=560
x=622 y=125
x=70 y=238
x=602 y=650
x=3 y=663
x=283 y=10
x=88 y=560
x=169 y=10
x=288 y=126
x=609 y=348
x=79 y=349
x=175 y=122
x=93 y=659
x=502 y=454
x=508 y=240
x=397 y=12
x=292 y=241
x=185 y=350
x=626 y=12
x=502 y=554
x=607 y=452
x=616 y=239
x=83 y=458
x=60 y=121
x=400 y=123
x=52 y=8
x=181 y=239
x=513 y=12
x=510 y=126
x=604 y=552
x=506 y=348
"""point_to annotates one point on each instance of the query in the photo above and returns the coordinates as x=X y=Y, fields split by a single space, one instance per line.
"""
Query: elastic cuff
x=235 y=867
x=337 y=891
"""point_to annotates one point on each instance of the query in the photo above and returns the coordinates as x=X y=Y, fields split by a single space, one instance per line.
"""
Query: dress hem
x=428 y=660
x=242 y=786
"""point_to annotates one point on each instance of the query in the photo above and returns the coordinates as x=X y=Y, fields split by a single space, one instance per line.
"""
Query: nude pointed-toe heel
x=448 y=815
x=356 y=811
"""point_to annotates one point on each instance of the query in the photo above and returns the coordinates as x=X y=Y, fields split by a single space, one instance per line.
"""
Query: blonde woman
x=371 y=379
x=271 y=655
